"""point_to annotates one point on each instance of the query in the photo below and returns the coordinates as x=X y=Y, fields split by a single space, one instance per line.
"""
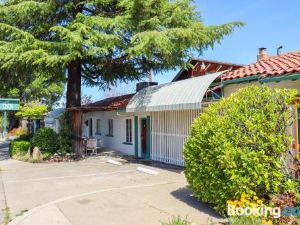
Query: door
x=144 y=137
x=91 y=127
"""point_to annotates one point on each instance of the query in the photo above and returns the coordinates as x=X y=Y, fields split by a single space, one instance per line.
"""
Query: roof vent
x=262 y=54
x=279 y=48
x=144 y=84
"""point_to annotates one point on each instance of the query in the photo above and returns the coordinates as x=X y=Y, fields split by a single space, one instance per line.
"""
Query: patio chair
x=92 y=145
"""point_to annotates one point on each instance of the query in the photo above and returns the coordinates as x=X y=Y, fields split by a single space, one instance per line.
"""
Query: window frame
x=128 y=131
x=98 y=126
x=110 y=128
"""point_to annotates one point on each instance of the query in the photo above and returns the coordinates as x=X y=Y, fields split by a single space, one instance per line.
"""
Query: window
x=91 y=127
x=98 y=126
x=128 y=130
x=110 y=127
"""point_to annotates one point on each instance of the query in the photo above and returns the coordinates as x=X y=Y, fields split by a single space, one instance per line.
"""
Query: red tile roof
x=272 y=66
x=112 y=103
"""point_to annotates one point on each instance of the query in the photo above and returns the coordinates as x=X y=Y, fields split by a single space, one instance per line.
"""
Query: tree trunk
x=74 y=101
x=74 y=84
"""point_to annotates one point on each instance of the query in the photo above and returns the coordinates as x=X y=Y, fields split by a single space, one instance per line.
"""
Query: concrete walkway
x=3 y=156
x=93 y=192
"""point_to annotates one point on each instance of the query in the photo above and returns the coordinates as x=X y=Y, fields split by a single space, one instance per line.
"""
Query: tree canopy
x=103 y=41
x=32 y=110
x=30 y=86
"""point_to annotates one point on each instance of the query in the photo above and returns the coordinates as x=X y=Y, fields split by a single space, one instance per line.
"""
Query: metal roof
x=180 y=95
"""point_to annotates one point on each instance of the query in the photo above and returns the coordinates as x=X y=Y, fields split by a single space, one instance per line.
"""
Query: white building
x=152 y=124
x=52 y=119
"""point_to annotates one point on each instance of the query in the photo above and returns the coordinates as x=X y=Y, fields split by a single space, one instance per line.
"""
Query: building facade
x=154 y=123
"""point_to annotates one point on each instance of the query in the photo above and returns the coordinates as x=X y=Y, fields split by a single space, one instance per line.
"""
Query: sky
x=269 y=24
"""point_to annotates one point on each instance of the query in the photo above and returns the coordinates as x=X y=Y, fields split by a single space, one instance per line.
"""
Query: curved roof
x=180 y=95
x=272 y=66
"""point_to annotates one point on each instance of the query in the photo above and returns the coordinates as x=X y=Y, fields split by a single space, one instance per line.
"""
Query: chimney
x=145 y=84
x=262 y=54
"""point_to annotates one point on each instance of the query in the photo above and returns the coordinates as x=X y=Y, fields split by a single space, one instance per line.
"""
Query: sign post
x=8 y=104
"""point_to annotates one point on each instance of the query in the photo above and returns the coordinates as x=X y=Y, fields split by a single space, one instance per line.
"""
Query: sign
x=9 y=104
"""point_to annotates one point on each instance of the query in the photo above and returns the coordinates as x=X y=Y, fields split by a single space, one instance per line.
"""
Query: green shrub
x=176 y=221
x=25 y=137
x=236 y=146
x=46 y=140
x=246 y=220
x=18 y=148
x=65 y=133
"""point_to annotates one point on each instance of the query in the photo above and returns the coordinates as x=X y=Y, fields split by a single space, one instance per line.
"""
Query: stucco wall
x=231 y=88
x=119 y=130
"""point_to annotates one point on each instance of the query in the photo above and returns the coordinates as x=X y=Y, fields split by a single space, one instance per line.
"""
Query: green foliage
x=18 y=148
x=25 y=137
x=176 y=221
x=29 y=85
x=32 y=110
x=65 y=133
x=46 y=140
x=245 y=220
x=110 y=40
x=236 y=146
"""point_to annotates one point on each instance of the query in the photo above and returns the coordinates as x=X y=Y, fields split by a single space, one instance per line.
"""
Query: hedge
x=18 y=148
x=46 y=140
x=236 y=146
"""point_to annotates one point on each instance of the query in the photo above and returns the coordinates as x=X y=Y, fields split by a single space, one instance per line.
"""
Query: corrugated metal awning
x=180 y=95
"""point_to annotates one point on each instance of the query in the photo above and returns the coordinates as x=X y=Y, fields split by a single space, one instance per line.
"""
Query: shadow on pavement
x=4 y=145
x=185 y=195
x=133 y=159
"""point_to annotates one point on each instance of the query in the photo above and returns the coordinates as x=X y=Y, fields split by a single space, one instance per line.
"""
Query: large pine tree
x=102 y=41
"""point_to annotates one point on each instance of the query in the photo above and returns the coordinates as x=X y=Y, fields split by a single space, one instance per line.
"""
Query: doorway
x=144 y=138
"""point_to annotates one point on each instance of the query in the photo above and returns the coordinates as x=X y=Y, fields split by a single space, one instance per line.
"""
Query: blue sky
x=269 y=23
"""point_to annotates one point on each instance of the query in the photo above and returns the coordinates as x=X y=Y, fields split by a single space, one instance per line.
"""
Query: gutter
x=292 y=77
x=241 y=80
x=261 y=80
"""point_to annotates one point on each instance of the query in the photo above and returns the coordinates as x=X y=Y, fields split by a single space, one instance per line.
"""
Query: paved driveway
x=92 y=192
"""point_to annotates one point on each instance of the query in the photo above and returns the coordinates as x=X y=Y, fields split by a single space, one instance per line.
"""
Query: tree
x=238 y=145
x=30 y=86
x=32 y=110
x=86 y=99
x=103 y=41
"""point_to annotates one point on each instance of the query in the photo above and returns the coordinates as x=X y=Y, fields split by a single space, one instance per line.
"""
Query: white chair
x=91 y=145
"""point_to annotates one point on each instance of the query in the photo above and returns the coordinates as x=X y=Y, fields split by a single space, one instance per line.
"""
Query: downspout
x=222 y=91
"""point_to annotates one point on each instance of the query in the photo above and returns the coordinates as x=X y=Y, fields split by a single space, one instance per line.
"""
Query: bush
x=46 y=140
x=65 y=133
x=236 y=146
x=25 y=137
x=18 y=148
x=177 y=221
x=246 y=220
